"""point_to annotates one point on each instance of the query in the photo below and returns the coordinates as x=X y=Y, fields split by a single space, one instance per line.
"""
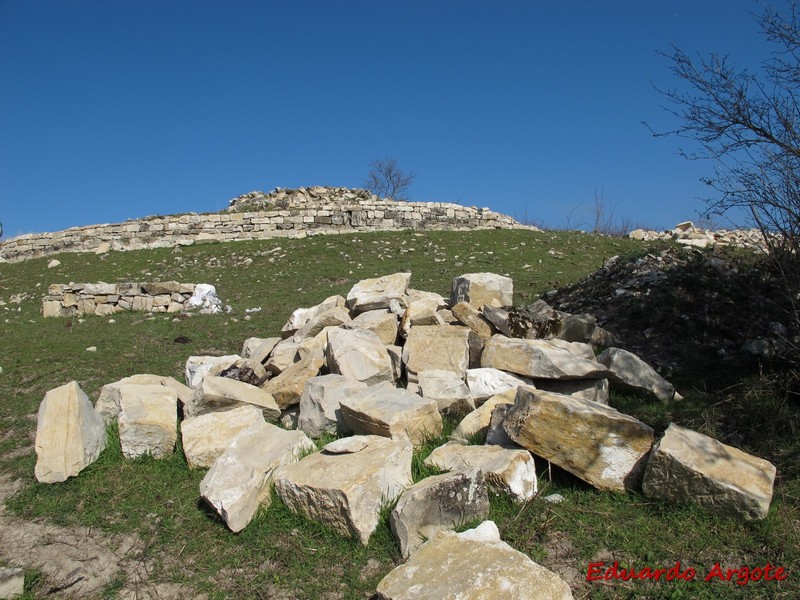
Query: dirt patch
x=77 y=562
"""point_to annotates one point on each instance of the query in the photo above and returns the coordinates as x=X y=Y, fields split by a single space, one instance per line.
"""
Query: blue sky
x=115 y=109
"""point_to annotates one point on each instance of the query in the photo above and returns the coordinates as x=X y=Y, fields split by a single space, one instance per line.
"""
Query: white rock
x=485 y=382
x=448 y=390
x=436 y=347
x=70 y=434
x=319 y=404
x=392 y=412
x=508 y=471
x=198 y=367
x=148 y=420
x=207 y=436
x=438 y=503
x=347 y=491
x=628 y=371
x=220 y=393
x=538 y=359
x=360 y=355
x=239 y=480
x=374 y=294
x=53 y=264
x=301 y=316
x=473 y=565
x=381 y=322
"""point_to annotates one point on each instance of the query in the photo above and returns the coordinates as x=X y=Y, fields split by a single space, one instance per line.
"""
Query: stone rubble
x=688 y=234
x=338 y=371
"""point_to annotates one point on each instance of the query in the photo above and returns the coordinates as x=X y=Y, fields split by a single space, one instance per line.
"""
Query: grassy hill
x=179 y=542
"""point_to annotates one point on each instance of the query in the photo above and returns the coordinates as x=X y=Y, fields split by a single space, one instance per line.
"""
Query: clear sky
x=117 y=109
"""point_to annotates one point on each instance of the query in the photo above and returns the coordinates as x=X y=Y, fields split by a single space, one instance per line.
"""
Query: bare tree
x=748 y=123
x=387 y=180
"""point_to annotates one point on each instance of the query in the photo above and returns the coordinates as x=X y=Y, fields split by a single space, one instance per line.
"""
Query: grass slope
x=283 y=555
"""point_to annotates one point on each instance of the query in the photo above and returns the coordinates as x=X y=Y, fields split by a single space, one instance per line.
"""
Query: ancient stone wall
x=314 y=215
x=64 y=300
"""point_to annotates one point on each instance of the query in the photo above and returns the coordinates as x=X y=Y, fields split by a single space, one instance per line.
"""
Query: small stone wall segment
x=315 y=215
x=65 y=300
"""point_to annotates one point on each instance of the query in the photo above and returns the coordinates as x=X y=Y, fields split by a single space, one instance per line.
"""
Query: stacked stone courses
x=65 y=300
x=314 y=214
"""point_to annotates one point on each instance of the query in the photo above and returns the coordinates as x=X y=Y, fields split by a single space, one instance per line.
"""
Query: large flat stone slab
x=687 y=466
x=628 y=371
x=485 y=382
x=374 y=294
x=70 y=434
x=347 y=486
x=214 y=394
x=508 y=471
x=473 y=565
x=538 y=359
x=392 y=412
x=602 y=446
x=239 y=480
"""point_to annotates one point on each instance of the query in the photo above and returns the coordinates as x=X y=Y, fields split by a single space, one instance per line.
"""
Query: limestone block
x=381 y=322
x=687 y=466
x=332 y=317
x=421 y=312
x=346 y=489
x=594 y=442
x=476 y=423
x=239 y=480
x=473 y=565
x=448 y=390
x=53 y=308
x=261 y=351
x=12 y=581
x=438 y=503
x=198 y=367
x=485 y=382
x=436 y=347
x=100 y=289
x=472 y=318
x=287 y=387
x=358 y=354
x=392 y=412
x=596 y=390
x=482 y=288
x=252 y=343
x=221 y=393
x=108 y=404
x=148 y=420
x=538 y=359
x=246 y=370
x=628 y=371
x=510 y=472
x=158 y=288
x=70 y=434
x=319 y=404
x=374 y=294
x=302 y=315
x=207 y=436
x=283 y=355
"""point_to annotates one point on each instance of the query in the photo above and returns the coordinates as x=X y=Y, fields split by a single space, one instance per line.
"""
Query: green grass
x=281 y=553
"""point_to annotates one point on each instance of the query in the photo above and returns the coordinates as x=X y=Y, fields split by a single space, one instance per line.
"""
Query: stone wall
x=315 y=214
x=64 y=300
